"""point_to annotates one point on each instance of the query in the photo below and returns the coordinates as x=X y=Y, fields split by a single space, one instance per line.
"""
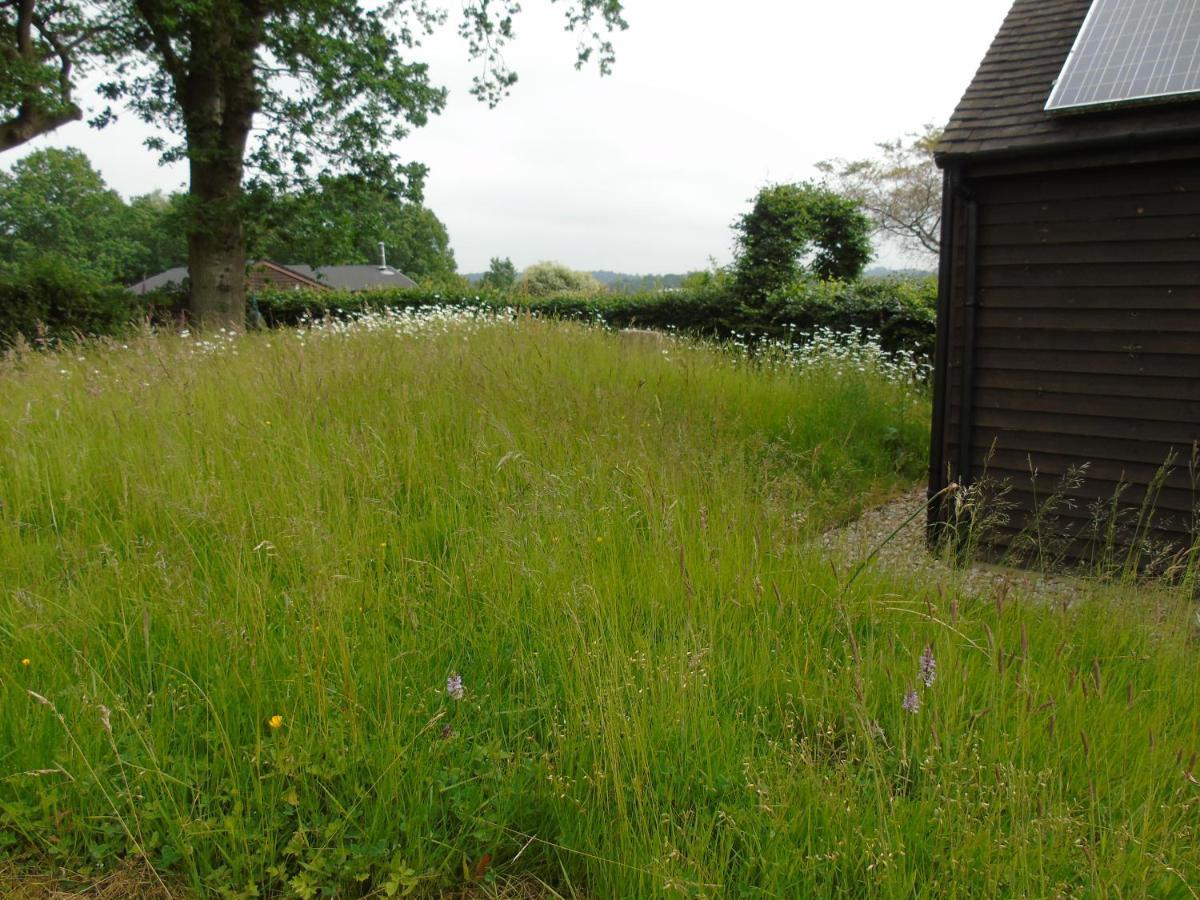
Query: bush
x=901 y=312
x=49 y=299
x=546 y=279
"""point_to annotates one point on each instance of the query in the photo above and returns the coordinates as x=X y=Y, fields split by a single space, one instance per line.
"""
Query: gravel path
x=908 y=552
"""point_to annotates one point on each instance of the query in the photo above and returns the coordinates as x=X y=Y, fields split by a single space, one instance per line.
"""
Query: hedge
x=51 y=301
x=902 y=312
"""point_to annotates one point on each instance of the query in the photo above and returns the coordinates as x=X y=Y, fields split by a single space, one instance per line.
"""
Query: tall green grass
x=666 y=689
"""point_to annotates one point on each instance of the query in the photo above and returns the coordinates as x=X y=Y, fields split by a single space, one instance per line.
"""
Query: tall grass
x=242 y=573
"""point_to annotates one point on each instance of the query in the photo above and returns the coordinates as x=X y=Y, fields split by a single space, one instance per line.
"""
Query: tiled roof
x=1003 y=110
x=355 y=278
x=342 y=278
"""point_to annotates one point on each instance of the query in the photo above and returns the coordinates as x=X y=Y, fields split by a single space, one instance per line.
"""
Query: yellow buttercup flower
x=276 y=721
x=26 y=661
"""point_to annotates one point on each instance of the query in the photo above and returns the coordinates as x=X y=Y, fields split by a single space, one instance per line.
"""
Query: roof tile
x=1003 y=109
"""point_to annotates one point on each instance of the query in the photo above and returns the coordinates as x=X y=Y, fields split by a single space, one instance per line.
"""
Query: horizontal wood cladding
x=1116 y=322
x=1112 y=472
x=1130 y=344
x=1184 y=274
x=1105 y=385
x=1091 y=487
x=1093 y=208
x=1085 y=344
x=1110 y=252
x=1176 y=434
x=1103 y=296
x=1135 y=229
x=1080 y=447
x=1087 y=511
x=1088 y=362
x=1063 y=403
x=1168 y=178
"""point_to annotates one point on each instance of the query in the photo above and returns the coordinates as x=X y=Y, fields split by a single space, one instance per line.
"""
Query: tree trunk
x=217 y=244
x=219 y=96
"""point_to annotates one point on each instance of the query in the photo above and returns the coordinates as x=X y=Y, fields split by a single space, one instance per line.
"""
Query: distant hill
x=885 y=272
x=620 y=282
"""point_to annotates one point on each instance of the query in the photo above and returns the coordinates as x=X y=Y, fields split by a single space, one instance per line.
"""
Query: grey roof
x=162 y=279
x=1003 y=110
x=341 y=278
x=355 y=278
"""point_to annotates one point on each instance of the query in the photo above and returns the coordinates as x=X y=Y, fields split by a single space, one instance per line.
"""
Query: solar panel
x=1131 y=50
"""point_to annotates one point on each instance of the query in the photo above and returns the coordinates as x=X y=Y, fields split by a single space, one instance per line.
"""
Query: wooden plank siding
x=1085 y=342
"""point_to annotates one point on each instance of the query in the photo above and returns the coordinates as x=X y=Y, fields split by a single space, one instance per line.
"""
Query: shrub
x=798 y=229
x=547 y=278
x=901 y=312
x=50 y=299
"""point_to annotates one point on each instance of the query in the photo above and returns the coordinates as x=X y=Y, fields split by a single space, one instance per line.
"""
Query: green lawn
x=242 y=572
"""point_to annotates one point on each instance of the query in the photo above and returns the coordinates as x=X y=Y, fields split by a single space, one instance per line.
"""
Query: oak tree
x=44 y=45
x=290 y=91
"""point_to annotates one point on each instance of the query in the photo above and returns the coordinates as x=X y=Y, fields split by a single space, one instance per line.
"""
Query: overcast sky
x=644 y=170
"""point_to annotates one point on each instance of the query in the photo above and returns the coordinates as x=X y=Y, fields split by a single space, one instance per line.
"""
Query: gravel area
x=907 y=551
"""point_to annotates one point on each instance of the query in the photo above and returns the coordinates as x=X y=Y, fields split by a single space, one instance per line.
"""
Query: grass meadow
x=450 y=605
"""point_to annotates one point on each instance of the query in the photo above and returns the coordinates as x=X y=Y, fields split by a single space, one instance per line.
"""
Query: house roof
x=1003 y=110
x=341 y=278
x=162 y=279
x=355 y=278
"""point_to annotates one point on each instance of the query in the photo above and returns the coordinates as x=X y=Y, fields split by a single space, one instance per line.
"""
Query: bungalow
x=264 y=273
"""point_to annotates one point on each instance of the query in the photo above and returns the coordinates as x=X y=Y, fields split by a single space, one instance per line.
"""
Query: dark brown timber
x=1069 y=299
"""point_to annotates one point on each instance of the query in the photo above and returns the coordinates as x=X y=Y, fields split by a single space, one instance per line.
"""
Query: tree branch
x=32 y=121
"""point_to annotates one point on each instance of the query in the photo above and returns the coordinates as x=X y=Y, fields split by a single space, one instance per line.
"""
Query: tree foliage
x=156 y=225
x=44 y=44
x=797 y=229
x=544 y=279
x=901 y=190
x=329 y=87
x=54 y=203
x=501 y=274
x=342 y=220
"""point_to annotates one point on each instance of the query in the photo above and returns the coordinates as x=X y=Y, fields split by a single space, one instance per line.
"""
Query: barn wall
x=1084 y=343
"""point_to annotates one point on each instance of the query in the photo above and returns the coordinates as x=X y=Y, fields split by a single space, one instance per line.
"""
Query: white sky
x=644 y=171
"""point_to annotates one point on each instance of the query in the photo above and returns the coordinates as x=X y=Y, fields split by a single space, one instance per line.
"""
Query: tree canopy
x=343 y=220
x=544 y=279
x=797 y=229
x=44 y=44
x=901 y=190
x=329 y=87
x=501 y=274
x=54 y=203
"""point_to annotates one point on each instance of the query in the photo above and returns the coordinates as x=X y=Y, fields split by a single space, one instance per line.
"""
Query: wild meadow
x=446 y=603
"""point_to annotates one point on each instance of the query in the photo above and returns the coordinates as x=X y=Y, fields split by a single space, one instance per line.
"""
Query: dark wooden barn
x=1069 y=303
